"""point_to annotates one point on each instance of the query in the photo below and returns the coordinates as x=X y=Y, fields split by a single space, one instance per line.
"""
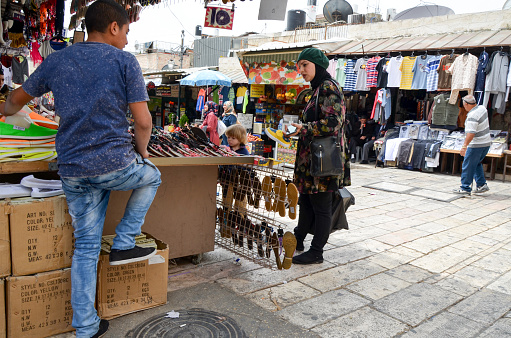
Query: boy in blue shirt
x=94 y=84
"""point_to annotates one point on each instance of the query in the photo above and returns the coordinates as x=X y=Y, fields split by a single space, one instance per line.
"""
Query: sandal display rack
x=252 y=201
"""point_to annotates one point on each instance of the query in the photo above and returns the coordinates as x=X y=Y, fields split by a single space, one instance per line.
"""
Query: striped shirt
x=351 y=77
x=477 y=123
x=431 y=68
x=372 y=73
x=406 y=72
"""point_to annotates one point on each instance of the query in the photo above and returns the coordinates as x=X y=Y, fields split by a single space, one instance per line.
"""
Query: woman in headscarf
x=229 y=118
x=316 y=193
x=211 y=122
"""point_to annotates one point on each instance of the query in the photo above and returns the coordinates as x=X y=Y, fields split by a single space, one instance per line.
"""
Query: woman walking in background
x=228 y=118
x=211 y=122
x=323 y=116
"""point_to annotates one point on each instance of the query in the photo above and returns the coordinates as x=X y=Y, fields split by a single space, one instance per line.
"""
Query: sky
x=164 y=22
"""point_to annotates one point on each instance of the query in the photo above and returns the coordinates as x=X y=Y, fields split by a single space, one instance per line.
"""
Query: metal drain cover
x=191 y=323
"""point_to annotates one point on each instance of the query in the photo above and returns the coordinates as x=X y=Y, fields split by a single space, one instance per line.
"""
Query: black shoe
x=118 y=257
x=364 y=162
x=103 y=327
x=353 y=160
x=308 y=257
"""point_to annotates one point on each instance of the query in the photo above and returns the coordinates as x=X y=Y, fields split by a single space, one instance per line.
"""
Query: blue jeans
x=472 y=168
x=87 y=199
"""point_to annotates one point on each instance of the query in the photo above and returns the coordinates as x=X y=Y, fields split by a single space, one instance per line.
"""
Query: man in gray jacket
x=476 y=146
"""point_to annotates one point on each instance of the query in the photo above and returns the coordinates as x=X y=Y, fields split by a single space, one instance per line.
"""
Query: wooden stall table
x=183 y=212
x=455 y=164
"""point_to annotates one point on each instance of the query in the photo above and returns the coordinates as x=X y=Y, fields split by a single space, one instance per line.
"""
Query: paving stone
x=374 y=245
x=502 y=284
x=409 y=273
x=378 y=286
x=342 y=275
x=365 y=322
x=346 y=254
x=471 y=246
x=445 y=325
x=457 y=286
x=432 y=227
x=323 y=308
x=441 y=259
x=484 y=240
x=284 y=295
x=475 y=276
x=430 y=243
x=390 y=260
x=390 y=187
x=501 y=328
x=497 y=261
x=484 y=306
x=404 y=251
x=401 y=236
x=416 y=303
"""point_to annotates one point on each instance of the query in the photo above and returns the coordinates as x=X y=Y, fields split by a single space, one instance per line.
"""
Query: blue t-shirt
x=92 y=83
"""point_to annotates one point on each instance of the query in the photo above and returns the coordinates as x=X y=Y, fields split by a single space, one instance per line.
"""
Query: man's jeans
x=472 y=168
x=87 y=199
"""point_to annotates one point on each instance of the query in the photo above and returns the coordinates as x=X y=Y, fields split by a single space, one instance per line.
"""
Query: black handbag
x=326 y=152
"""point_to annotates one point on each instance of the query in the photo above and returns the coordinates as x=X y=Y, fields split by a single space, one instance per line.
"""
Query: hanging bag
x=326 y=151
x=221 y=127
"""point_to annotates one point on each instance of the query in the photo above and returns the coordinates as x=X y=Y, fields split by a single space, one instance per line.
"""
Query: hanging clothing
x=19 y=69
x=496 y=80
x=406 y=72
x=444 y=78
x=445 y=114
x=34 y=54
x=224 y=94
x=508 y=82
x=481 y=77
x=351 y=77
x=377 y=107
x=340 y=75
x=240 y=94
x=432 y=73
x=332 y=65
x=463 y=70
x=231 y=95
x=245 y=102
x=383 y=76
x=420 y=76
x=372 y=72
x=360 y=70
x=201 y=98
x=394 y=71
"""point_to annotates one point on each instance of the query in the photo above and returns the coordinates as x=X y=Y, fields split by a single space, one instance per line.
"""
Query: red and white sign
x=218 y=17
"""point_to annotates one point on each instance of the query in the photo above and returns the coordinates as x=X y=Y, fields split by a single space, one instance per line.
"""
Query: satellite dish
x=507 y=5
x=425 y=11
x=337 y=10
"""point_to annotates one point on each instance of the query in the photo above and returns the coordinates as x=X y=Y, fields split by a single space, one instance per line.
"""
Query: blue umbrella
x=206 y=78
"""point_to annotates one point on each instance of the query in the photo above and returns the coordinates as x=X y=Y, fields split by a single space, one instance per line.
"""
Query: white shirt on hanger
x=7 y=75
x=394 y=71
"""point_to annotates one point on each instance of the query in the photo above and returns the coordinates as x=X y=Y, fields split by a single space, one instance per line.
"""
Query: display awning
x=182 y=72
x=430 y=42
x=231 y=67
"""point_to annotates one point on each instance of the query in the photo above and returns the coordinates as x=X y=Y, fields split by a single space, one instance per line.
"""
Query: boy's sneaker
x=278 y=136
x=118 y=257
x=103 y=327
x=481 y=189
x=461 y=192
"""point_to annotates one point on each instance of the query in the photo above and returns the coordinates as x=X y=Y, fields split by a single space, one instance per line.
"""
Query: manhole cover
x=191 y=323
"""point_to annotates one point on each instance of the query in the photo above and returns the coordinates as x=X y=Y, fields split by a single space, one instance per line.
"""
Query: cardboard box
x=39 y=305
x=5 y=242
x=41 y=235
x=128 y=288
x=3 y=326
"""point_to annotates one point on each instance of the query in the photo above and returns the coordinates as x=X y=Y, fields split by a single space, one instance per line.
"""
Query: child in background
x=237 y=138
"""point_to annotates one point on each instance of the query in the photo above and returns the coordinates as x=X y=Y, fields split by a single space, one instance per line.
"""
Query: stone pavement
x=419 y=262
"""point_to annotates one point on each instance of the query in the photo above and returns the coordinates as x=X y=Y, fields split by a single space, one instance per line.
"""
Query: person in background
x=475 y=147
x=362 y=133
x=4 y=89
x=317 y=193
x=237 y=139
x=228 y=118
x=94 y=146
x=210 y=124
x=379 y=132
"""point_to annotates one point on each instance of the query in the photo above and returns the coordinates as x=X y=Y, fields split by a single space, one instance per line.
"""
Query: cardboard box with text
x=41 y=235
x=132 y=287
x=5 y=242
x=39 y=305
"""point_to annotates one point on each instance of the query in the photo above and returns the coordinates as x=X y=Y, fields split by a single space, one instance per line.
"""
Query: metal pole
x=182 y=47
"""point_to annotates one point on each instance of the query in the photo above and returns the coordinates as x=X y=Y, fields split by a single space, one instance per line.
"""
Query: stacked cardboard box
x=38 y=292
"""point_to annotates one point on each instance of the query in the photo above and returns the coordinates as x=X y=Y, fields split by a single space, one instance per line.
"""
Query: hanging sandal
x=289 y=242
x=267 y=188
x=276 y=190
x=292 y=197
x=281 y=206
x=275 y=246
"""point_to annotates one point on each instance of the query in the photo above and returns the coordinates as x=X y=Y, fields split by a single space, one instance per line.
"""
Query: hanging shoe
x=292 y=197
x=278 y=136
x=267 y=188
x=289 y=243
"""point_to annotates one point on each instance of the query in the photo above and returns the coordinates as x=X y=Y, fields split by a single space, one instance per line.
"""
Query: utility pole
x=182 y=47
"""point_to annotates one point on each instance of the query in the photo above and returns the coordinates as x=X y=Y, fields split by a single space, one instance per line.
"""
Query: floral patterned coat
x=331 y=115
